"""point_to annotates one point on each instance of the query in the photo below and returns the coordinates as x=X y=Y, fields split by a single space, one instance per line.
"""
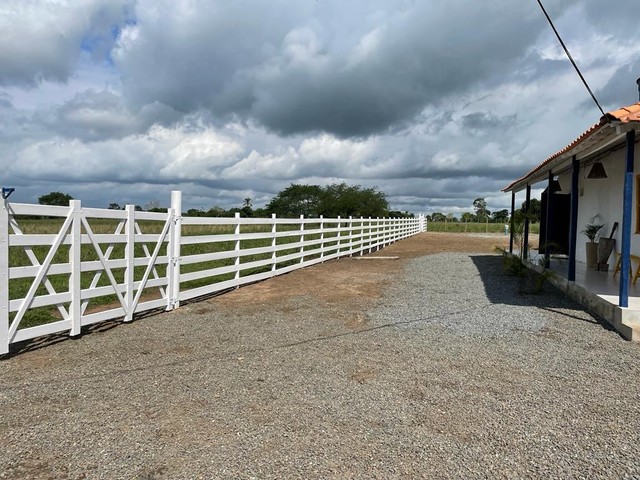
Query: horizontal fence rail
x=63 y=268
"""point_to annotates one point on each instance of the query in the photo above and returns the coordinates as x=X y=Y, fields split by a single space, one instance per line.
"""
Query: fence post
x=321 y=236
x=302 y=238
x=174 y=242
x=385 y=229
x=237 y=249
x=129 y=255
x=394 y=230
x=274 y=242
x=339 y=225
x=4 y=277
x=350 y=243
x=361 y=235
x=75 y=258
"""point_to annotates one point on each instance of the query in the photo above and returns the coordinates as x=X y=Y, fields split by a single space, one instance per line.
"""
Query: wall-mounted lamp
x=597 y=171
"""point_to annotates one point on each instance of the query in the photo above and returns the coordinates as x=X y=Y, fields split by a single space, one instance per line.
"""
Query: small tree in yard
x=55 y=198
x=480 y=206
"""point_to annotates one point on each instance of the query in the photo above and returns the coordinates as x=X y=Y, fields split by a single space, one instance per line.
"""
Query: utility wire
x=566 y=50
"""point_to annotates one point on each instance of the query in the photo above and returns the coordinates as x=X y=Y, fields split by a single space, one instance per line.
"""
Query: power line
x=566 y=50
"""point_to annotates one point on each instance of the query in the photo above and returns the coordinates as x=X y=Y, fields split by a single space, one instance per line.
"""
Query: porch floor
x=603 y=284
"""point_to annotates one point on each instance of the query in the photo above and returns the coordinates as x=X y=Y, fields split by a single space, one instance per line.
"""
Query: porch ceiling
x=602 y=137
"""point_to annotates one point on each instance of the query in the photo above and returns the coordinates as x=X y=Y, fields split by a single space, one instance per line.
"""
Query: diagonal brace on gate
x=152 y=261
x=35 y=262
x=44 y=268
x=107 y=270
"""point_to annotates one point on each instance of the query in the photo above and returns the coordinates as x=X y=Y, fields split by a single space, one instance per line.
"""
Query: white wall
x=604 y=196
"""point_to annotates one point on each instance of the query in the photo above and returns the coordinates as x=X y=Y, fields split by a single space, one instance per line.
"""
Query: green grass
x=461 y=227
x=18 y=288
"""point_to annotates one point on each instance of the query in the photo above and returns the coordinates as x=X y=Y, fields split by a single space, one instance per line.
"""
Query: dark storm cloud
x=296 y=73
x=480 y=122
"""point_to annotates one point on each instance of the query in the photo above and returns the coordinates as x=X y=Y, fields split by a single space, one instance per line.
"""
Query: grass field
x=461 y=227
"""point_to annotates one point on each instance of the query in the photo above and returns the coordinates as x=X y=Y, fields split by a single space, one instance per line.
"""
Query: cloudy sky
x=436 y=102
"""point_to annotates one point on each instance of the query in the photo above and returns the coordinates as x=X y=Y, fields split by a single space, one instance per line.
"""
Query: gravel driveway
x=445 y=372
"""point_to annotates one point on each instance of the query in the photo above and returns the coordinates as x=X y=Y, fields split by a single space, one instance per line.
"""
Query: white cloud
x=42 y=39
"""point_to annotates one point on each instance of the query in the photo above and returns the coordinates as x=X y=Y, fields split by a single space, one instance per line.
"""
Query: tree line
x=482 y=214
x=312 y=201
x=331 y=201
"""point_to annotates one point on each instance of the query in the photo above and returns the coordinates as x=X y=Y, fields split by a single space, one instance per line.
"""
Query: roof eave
x=596 y=140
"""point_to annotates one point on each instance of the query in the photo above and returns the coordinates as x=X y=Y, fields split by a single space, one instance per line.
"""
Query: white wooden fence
x=140 y=271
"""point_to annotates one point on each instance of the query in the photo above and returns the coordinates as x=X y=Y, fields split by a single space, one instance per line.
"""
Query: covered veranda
x=590 y=181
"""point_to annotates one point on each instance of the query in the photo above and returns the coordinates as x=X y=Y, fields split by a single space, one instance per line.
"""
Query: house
x=593 y=180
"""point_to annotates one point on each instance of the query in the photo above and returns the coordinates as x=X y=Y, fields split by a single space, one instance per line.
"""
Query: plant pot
x=592 y=254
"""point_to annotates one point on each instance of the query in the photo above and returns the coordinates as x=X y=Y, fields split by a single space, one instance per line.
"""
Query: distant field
x=459 y=227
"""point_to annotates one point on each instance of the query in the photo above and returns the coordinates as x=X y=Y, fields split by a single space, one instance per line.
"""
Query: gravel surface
x=450 y=373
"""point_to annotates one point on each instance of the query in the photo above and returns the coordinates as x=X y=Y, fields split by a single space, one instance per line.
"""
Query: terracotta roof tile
x=627 y=114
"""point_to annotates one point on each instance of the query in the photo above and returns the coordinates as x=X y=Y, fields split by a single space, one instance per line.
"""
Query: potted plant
x=591 y=231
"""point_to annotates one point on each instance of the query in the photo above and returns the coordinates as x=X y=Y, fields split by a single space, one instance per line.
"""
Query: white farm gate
x=100 y=264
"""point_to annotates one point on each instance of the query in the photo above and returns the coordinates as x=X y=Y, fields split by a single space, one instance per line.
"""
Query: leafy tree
x=334 y=200
x=296 y=200
x=399 y=214
x=480 y=206
x=353 y=200
x=115 y=206
x=260 y=213
x=55 y=198
x=467 y=217
x=500 y=216
x=194 y=212
x=535 y=210
x=438 y=217
x=216 y=211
